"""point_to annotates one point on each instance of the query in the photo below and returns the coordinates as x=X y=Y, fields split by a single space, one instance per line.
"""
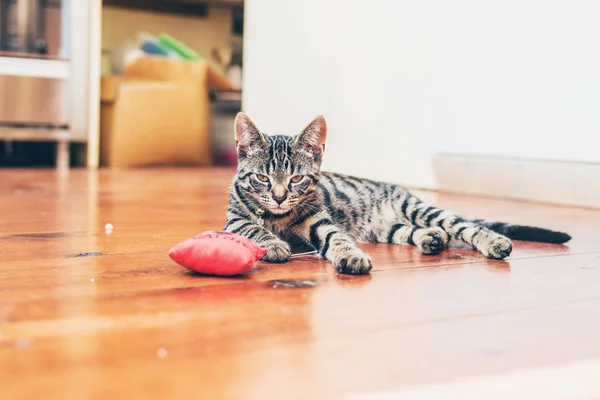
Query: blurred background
x=493 y=98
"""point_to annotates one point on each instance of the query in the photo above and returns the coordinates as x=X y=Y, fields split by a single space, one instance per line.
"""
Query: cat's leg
x=488 y=242
x=429 y=241
x=278 y=251
x=332 y=244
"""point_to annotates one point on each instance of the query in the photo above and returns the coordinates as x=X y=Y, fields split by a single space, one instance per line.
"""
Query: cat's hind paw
x=433 y=241
x=498 y=248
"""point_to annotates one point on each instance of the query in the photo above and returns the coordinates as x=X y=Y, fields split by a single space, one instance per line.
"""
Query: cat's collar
x=259 y=215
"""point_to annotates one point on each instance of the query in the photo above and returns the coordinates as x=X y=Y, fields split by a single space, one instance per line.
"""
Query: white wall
x=402 y=80
x=518 y=78
x=287 y=63
x=359 y=66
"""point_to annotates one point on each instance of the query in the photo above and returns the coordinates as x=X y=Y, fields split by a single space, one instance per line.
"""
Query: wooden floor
x=88 y=315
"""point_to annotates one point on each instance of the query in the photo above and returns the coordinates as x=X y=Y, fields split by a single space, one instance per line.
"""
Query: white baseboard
x=574 y=184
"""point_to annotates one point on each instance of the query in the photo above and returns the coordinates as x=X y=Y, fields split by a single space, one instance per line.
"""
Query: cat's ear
x=247 y=135
x=313 y=136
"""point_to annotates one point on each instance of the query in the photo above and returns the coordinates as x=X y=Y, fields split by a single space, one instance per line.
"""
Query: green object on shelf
x=176 y=46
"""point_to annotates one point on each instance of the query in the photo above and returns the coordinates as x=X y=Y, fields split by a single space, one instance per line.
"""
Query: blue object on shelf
x=154 y=49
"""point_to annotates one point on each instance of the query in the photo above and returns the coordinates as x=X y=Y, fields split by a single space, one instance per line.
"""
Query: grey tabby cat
x=280 y=194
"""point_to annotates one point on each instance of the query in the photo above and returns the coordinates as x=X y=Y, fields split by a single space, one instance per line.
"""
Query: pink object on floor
x=217 y=253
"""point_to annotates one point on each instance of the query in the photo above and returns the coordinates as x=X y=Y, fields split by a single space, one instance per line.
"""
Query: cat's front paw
x=278 y=252
x=498 y=248
x=352 y=262
x=433 y=241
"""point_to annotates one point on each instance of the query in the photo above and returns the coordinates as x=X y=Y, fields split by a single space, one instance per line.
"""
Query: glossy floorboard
x=88 y=315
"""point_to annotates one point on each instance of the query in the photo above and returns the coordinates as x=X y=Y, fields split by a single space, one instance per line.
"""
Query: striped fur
x=279 y=183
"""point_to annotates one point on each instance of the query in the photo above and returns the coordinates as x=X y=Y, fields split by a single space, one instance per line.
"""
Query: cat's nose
x=279 y=199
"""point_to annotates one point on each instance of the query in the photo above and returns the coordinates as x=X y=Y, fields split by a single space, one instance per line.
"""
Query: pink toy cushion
x=217 y=253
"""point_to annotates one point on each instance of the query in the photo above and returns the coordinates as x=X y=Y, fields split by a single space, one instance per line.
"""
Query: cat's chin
x=279 y=211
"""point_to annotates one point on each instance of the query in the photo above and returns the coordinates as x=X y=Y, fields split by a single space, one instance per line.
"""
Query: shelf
x=163 y=6
x=35 y=67
x=34 y=134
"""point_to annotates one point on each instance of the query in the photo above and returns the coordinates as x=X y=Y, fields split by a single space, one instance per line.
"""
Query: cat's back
x=345 y=190
x=355 y=183
x=353 y=202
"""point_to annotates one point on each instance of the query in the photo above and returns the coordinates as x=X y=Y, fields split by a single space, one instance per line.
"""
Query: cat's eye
x=296 y=179
x=262 y=178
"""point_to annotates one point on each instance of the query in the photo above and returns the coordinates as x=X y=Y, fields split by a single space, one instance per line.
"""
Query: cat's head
x=279 y=172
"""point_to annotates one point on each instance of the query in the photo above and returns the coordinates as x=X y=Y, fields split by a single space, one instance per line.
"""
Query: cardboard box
x=158 y=113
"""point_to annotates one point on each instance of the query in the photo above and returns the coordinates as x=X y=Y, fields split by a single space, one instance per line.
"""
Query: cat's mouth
x=274 y=208
x=278 y=209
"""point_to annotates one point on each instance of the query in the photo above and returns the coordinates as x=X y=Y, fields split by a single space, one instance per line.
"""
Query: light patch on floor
x=572 y=381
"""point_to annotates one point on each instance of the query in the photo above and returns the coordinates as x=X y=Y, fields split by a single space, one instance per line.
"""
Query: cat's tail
x=526 y=233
